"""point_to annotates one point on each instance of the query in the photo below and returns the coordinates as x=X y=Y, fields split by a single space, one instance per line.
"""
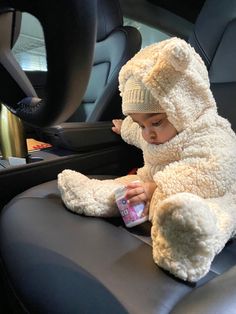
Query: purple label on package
x=128 y=212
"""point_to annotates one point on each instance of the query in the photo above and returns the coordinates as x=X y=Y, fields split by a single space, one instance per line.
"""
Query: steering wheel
x=69 y=28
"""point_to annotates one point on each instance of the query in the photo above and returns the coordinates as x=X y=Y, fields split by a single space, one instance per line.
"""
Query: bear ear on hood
x=177 y=52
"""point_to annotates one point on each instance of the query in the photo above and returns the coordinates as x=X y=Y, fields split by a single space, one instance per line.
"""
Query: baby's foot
x=183 y=235
x=72 y=177
x=70 y=185
x=87 y=196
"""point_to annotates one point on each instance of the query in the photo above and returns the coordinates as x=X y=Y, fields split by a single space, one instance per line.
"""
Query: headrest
x=109 y=17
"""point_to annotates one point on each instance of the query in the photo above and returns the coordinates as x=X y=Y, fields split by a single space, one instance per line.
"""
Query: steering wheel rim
x=69 y=28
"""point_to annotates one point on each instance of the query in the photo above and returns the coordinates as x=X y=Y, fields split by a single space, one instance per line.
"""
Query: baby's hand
x=117 y=125
x=136 y=193
x=140 y=192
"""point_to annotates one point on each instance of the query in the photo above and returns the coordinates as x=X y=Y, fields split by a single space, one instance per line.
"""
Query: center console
x=88 y=148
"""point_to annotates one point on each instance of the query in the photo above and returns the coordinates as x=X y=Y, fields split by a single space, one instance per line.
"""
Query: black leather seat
x=214 y=39
x=59 y=262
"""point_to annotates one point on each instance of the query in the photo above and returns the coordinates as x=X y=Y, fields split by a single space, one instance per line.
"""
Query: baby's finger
x=137 y=199
x=114 y=129
x=117 y=121
x=146 y=209
x=131 y=192
x=134 y=184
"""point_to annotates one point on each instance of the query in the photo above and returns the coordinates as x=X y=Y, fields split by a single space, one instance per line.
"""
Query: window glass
x=29 y=49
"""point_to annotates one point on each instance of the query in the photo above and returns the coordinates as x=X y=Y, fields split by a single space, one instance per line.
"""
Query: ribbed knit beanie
x=137 y=98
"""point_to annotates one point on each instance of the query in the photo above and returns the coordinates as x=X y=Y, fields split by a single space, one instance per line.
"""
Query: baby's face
x=156 y=129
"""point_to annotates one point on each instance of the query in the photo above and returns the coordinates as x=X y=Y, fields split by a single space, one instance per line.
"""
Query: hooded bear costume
x=193 y=209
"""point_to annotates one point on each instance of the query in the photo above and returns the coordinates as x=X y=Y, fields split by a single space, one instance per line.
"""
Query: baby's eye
x=158 y=123
x=141 y=126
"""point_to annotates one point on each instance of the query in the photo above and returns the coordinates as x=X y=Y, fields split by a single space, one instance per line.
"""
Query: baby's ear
x=178 y=53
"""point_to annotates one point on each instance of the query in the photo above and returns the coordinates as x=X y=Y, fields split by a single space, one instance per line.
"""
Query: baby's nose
x=152 y=135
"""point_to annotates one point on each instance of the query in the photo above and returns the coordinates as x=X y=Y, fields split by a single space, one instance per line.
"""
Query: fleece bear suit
x=193 y=209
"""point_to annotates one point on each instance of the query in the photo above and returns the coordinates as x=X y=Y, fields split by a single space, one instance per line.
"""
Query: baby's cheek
x=144 y=135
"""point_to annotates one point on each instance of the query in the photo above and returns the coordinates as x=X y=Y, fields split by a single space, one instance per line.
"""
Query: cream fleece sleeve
x=130 y=132
x=204 y=177
x=199 y=176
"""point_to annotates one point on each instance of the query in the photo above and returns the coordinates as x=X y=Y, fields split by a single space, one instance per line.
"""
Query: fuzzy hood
x=176 y=77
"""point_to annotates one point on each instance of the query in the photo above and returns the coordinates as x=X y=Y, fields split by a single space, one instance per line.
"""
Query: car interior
x=52 y=260
x=115 y=45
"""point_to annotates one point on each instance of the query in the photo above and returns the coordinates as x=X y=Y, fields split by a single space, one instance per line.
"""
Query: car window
x=30 y=52
x=29 y=48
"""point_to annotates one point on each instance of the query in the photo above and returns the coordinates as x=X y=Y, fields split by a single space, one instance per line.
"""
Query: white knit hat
x=137 y=98
x=169 y=77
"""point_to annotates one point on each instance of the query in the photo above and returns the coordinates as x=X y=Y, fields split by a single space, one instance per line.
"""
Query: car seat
x=57 y=262
x=213 y=38
x=115 y=45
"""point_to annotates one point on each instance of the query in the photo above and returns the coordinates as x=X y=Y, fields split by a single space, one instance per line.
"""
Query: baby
x=156 y=129
x=189 y=173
